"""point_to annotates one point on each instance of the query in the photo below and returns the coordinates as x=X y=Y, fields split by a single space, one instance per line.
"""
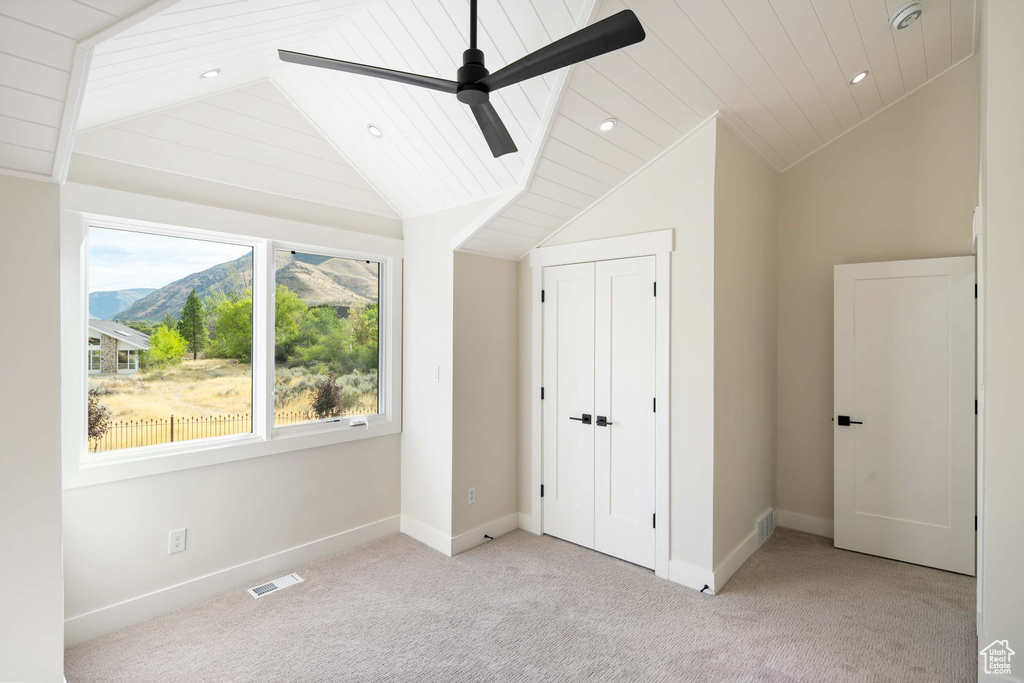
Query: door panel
x=904 y=368
x=625 y=388
x=569 y=393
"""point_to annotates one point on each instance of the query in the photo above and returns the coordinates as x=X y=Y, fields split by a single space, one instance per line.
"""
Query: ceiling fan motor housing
x=472 y=71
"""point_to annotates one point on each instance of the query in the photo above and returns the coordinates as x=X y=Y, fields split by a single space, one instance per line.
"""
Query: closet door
x=569 y=403
x=624 y=427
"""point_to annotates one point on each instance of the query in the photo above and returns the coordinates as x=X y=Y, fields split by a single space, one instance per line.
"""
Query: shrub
x=350 y=398
x=326 y=399
x=166 y=347
x=99 y=416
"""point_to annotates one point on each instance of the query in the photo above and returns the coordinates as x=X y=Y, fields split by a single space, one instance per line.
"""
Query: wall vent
x=765 y=526
x=275 y=585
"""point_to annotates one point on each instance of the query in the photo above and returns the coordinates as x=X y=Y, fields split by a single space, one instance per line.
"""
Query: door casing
x=658 y=244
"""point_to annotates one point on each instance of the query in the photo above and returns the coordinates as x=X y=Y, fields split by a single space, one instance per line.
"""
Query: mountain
x=332 y=281
x=105 y=305
x=231 y=276
x=316 y=279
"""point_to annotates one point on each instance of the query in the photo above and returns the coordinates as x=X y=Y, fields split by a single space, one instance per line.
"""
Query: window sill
x=142 y=462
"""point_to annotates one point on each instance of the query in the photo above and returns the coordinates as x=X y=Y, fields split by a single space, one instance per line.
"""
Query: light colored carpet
x=529 y=608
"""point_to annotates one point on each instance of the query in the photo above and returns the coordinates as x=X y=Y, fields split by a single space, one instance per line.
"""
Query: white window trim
x=265 y=234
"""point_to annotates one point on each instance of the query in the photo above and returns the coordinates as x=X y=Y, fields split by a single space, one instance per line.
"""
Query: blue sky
x=120 y=259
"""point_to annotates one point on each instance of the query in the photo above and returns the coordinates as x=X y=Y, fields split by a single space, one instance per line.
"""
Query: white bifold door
x=905 y=412
x=598 y=406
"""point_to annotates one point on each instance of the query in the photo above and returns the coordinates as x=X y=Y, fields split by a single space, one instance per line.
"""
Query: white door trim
x=659 y=244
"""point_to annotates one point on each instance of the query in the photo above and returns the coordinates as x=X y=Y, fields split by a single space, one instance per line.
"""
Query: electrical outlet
x=472 y=495
x=176 y=541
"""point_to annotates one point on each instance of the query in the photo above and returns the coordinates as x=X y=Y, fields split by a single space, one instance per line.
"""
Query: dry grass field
x=207 y=397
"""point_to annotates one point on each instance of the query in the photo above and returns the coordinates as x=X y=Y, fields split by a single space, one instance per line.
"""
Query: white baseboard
x=495 y=528
x=801 y=522
x=740 y=554
x=690 y=575
x=93 y=624
x=529 y=523
x=427 y=535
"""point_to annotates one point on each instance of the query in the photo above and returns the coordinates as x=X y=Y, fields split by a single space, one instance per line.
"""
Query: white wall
x=31 y=611
x=428 y=326
x=1002 y=518
x=485 y=425
x=902 y=185
x=115 y=534
x=675 y=191
x=90 y=170
x=746 y=244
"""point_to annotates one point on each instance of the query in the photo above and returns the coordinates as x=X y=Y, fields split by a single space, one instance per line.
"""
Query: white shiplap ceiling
x=157 y=62
x=250 y=137
x=43 y=58
x=776 y=71
x=432 y=154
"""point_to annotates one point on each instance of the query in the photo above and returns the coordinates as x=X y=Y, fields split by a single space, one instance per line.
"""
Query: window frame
x=264 y=235
x=384 y=277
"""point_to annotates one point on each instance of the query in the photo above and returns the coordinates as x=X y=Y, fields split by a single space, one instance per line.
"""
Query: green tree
x=169 y=321
x=192 y=325
x=232 y=324
x=166 y=347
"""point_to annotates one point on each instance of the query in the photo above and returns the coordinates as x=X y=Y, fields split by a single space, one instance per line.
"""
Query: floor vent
x=765 y=526
x=275 y=585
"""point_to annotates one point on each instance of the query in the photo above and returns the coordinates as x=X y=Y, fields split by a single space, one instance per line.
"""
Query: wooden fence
x=134 y=433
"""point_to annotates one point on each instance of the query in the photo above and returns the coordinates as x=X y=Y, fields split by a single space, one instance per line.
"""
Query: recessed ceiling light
x=859 y=77
x=375 y=131
x=212 y=73
x=607 y=125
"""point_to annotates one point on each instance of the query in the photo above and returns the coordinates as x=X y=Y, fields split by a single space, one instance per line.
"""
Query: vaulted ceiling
x=777 y=71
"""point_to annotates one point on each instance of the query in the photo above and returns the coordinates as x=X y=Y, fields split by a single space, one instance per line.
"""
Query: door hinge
x=975 y=522
x=655 y=289
x=975 y=290
x=542 y=490
x=654 y=520
x=542 y=296
x=654 y=405
x=975 y=406
x=542 y=393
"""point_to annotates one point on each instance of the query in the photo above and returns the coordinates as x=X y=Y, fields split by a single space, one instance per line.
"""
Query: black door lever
x=585 y=419
x=602 y=421
x=845 y=421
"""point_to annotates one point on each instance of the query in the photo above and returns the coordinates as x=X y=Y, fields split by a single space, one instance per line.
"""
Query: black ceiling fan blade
x=616 y=32
x=366 y=70
x=493 y=129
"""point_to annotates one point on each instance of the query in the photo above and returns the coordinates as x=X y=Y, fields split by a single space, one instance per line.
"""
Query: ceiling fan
x=475 y=83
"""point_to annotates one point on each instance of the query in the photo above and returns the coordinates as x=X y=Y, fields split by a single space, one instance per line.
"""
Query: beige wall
x=746 y=219
x=902 y=185
x=1002 y=518
x=675 y=191
x=428 y=327
x=485 y=424
x=31 y=610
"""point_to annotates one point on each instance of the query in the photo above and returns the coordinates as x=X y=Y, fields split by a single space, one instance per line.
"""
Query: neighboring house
x=114 y=348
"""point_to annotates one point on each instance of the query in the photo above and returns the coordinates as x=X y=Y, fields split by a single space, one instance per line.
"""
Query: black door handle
x=845 y=421
x=602 y=421
x=585 y=419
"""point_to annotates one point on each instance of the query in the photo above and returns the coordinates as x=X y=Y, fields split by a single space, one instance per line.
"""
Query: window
x=183 y=338
x=326 y=329
x=216 y=346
